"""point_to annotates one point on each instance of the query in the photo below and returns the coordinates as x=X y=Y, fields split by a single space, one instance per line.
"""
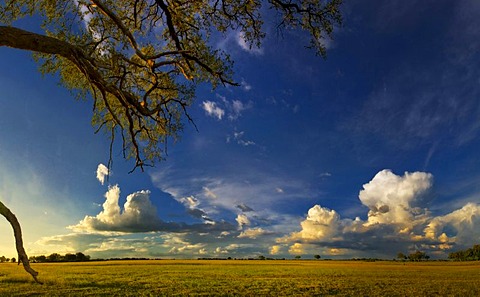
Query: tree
x=298 y=257
x=141 y=60
x=54 y=257
x=470 y=254
x=70 y=257
x=401 y=256
x=418 y=256
x=317 y=257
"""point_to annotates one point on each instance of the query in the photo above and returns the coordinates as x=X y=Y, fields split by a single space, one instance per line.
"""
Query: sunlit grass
x=247 y=278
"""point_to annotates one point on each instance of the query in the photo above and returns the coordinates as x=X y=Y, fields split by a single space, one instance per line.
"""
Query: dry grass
x=244 y=278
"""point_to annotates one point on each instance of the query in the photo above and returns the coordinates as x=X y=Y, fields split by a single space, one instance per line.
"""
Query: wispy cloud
x=232 y=108
x=212 y=109
x=238 y=137
x=252 y=49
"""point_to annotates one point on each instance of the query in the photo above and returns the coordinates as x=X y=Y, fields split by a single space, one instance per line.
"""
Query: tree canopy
x=140 y=60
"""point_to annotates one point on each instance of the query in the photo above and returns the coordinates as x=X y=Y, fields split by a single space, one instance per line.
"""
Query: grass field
x=244 y=278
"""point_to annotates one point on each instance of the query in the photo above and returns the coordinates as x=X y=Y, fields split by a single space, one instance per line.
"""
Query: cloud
x=242 y=220
x=391 y=198
x=395 y=222
x=238 y=137
x=237 y=107
x=275 y=250
x=190 y=201
x=297 y=249
x=240 y=39
x=460 y=227
x=253 y=233
x=232 y=108
x=102 y=173
x=246 y=86
x=243 y=207
x=140 y=215
x=213 y=110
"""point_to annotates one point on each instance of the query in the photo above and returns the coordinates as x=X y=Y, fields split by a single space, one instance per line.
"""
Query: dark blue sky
x=367 y=153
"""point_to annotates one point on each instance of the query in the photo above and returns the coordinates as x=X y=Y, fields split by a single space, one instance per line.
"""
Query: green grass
x=244 y=278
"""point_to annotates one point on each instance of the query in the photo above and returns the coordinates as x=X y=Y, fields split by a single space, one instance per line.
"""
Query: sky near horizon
x=368 y=153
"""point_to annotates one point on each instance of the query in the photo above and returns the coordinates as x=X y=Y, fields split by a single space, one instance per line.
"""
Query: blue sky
x=368 y=153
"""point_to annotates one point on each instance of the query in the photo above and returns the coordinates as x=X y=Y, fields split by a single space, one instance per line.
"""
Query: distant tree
x=470 y=254
x=418 y=256
x=70 y=257
x=401 y=256
x=261 y=257
x=54 y=257
x=298 y=257
x=41 y=258
x=80 y=257
x=317 y=257
x=141 y=60
x=3 y=259
x=13 y=260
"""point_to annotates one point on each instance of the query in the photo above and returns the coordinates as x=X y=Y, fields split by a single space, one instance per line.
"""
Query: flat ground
x=244 y=278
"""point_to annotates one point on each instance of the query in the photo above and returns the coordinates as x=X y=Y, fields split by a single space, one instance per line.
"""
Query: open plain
x=244 y=278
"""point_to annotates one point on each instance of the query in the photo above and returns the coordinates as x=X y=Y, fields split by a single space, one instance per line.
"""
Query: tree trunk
x=17 y=231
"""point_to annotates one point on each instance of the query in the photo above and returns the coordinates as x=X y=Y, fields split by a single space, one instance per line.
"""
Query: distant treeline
x=470 y=254
x=78 y=257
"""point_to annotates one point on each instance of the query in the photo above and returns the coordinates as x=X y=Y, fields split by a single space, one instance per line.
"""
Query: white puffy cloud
x=242 y=220
x=102 y=173
x=212 y=109
x=253 y=233
x=392 y=198
x=296 y=249
x=275 y=249
x=139 y=214
x=321 y=224
x=395 y=221
x=461 y=226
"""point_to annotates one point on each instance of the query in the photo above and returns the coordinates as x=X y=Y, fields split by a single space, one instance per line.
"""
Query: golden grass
x=244 y=278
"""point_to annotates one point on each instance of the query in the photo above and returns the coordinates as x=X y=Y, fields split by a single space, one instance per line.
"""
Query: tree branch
x=17 y=231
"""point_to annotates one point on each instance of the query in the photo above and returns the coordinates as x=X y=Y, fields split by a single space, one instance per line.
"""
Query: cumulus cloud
x=321 y=224
x=212 y=109
x=395 y=221
x=102 y=173
x=296 y=249
x=140 y=215
x=242 y=220
x=391 y=198
x=275 y=249
x=253 y=233
x=460 y=227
